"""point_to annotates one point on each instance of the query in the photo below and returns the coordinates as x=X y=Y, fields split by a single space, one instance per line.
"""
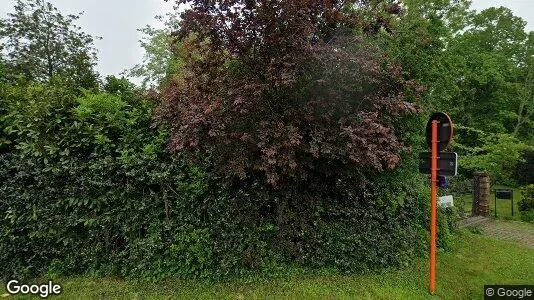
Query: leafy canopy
x=158 y=62
x=40 y=42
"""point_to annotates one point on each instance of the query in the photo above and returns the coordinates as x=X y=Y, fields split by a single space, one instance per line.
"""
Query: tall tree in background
x=472 y=64
x=526 y=91
x=476 y=66
x=158 y=62
x=423 y=32
x=40 y=42
x=486 y=58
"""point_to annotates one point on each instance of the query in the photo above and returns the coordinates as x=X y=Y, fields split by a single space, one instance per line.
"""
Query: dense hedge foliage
x=88 y=187
x=524 y=173
x=304 y=128
x=526 y=204
x=85 y=179
x=303 y=121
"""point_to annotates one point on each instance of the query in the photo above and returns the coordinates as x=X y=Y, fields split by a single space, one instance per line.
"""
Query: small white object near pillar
x=445 y=201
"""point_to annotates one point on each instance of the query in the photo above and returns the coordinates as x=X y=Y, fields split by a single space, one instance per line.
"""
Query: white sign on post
x=445 y=201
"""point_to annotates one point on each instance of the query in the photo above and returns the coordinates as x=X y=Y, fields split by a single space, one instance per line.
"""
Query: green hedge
x=526 y=204
x=86 y=180
x=87 y=187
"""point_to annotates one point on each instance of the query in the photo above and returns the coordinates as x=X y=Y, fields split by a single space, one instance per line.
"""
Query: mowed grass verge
x=462 y=273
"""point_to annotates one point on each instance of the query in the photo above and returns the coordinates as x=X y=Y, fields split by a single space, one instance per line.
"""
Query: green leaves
x=499 y=155
x=158 y=61
x=526 y=204
x=42 y=43
x=477 y=67
x=68 y=194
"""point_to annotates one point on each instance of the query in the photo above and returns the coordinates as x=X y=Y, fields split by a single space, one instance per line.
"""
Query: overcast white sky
x=116 y=22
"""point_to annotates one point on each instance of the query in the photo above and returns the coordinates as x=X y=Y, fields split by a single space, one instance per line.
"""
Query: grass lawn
x=504 y=207
x=462 y=273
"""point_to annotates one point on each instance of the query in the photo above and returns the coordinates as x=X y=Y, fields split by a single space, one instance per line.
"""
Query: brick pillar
x=481 y=194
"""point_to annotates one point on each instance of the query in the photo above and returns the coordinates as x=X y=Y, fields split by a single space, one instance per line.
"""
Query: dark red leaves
x=281 y=87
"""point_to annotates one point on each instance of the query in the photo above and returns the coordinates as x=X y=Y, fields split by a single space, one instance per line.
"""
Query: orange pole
x=433 y=200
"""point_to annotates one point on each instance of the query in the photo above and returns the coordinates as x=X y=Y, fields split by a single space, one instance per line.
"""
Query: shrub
x=88 y=188
x=460 y=185
x=300 y=122
x=101 y=196
x=295 y=102
x=525 y=170
x=87 y=180
x=447 y=225
x=499 y=156
x=526 y=204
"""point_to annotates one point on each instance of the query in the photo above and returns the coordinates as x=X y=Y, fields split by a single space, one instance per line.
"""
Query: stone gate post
x=481 y=194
